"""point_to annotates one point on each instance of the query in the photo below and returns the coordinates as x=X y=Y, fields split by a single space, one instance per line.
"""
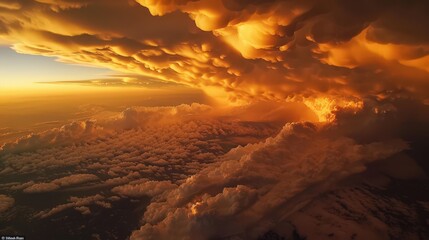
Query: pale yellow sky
x=23 y=70
x=38 y=93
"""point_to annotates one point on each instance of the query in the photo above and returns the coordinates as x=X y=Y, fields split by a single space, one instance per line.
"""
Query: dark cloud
x=344 y=19
x=407 y=29
x=366 y=211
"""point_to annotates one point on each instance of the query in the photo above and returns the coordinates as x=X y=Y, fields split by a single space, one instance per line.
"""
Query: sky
x=222 y=119
x=39 y=92
x=23 y=70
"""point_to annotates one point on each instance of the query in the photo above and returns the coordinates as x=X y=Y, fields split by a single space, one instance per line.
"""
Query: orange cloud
x=242 y=50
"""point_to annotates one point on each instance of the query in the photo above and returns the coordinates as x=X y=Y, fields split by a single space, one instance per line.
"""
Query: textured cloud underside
x=247 y=49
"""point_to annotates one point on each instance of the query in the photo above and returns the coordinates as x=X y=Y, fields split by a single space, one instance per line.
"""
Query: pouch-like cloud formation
x=330 y=55
x=250 y=49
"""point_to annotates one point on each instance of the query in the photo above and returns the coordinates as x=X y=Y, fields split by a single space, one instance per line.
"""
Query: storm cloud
x=308 y=94
x=240 y=50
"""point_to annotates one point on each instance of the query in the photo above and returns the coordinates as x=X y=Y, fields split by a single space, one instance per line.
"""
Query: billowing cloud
x=55 y=184
x=166 y=143
x=77 y=203
x=41 y=187
x=84 y=210
x=66 y=134
x=244 y=50
x=6 y=202
x=143 y=152
x=225 y=171
x=149 y=118
x=75 y=179
x=364 y=211
x=188 y=161
x=149 y=188
x=257 y=186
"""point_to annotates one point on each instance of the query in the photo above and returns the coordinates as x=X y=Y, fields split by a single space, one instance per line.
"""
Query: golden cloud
x=263 y=50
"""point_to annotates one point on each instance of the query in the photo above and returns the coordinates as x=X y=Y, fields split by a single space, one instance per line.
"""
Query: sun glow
x=325 y=107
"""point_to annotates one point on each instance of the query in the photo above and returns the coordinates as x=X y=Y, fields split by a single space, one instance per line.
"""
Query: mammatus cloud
x=247 y=50
x=359 y=66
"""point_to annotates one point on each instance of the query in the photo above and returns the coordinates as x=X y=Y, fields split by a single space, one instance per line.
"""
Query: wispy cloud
x=120 y=81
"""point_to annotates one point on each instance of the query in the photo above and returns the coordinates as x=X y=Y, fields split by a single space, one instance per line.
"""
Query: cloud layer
x=241 y=49
x=207 y=173
x=257 y=186
x=143 y=151
x=231 y=171
x=55 y=184
x=6 y=202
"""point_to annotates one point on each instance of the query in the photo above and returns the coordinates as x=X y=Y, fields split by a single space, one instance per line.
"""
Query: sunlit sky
x=218 y=119
x=24 y=70
x=230 y=50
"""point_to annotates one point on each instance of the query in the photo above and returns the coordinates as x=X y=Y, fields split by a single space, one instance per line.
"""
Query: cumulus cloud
x=41 y=187
x=55 y=184
x=75 y=179
x=202 y=184
x=79 y=203
x=245 y=50
x=80 y=131
x=6 y=202
x=66 y=134
x=365 y=211
x=149 y=188
x=256 y=186
x=167 y=142
x=84 y=210
x=143 y=152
